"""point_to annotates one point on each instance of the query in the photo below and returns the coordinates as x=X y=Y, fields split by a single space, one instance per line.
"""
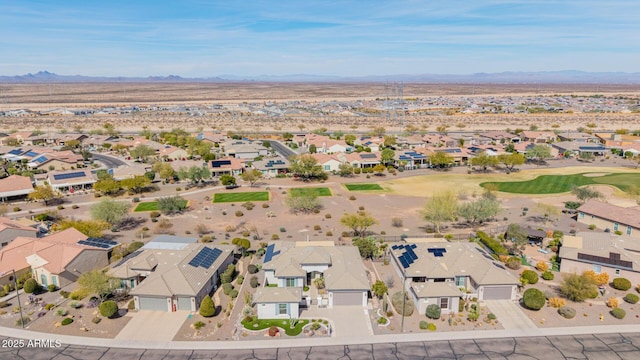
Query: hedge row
x=491 y=243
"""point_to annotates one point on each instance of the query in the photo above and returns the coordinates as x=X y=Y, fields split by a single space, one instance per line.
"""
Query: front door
x=43 y=279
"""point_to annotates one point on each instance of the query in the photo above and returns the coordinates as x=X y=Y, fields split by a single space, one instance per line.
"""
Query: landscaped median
x=314 y=191
x=147 y=206
x=363 y=187
x=255 y=324
x=241 y=196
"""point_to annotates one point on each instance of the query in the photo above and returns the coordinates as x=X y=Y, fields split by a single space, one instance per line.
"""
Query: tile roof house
x=612 y=217
x=11 y=229
x=324 y=144
x=538 y=137
x=226 y=166
x=272 y=167
x=55 y=160
x=15 y=186
x=291 y=266
x=175 y=278
x=169 y=152
x=615 y=255
x=328 y=162
x=71 y=179
x=442 y=273
x=57 y=259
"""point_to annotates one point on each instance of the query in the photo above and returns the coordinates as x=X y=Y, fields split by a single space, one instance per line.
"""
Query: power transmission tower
x=394 y=99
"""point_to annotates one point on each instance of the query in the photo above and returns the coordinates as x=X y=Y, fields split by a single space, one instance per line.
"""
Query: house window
x=54 y=280
x=615 y=226
x=581 y=215
x=597 y=269
x=444 y=303
x=460 y=281
x=327 y=167
x=628 y=230
x=282 y=309
x=290 y=282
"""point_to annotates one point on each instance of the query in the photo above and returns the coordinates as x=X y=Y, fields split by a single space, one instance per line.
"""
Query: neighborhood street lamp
x=15 y=282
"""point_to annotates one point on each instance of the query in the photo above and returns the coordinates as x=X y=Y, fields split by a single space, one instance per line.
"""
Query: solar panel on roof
x=403 y=262
x=40 y=159
x=394 y=247
x=368 y=156
x=99 y=243
x=205 y=257
x=15 y=152
x=31 y=153
x=413 y=246
x=72 y=175
x=270 y=253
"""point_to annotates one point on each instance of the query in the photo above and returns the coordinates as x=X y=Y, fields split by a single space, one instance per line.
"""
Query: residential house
x=71 y=180
x=326 y=145
x=329 y=162
x=442 y=273
x=611 y=218
x=538 y=137
x=361 y=159
x=129 y=171
x=410 y=160
x=173 y=273
x=372 y=142
x=289 y=265
x=577 y=148
x=578 y=137
x=272 y=167
x=245 y=149
x=15 y=187
x=11 y=229
x=56 y=160
x=57 y=259
x=226 y=166
x=501 y=137
x=170 y=153
x=601 y=253
x=439 y=140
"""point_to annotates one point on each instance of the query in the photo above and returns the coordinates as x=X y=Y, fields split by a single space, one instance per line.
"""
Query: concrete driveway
x=153 y=326
x=348 y=321
x=510 y=315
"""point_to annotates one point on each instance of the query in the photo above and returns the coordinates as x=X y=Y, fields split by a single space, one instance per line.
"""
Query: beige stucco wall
x=572 y=266
x=606 y=224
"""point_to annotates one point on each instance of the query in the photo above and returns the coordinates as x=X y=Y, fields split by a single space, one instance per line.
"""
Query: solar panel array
x=15 y=152
x=437 y=252
x=40 y=159
x=31 y=153
x=72 y=175
x=99 y=243
x=126 y=258
x=269 y=254
x=408 y=257
x=368 y=156
x=271 y=163
x=206 y=257
x=412 y=155
x=219 y=163
x=606 y=260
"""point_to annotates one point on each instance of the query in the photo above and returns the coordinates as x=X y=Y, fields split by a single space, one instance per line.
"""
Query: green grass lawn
x=363 y=187
x=262 y=324
x=147 y=206
x=241 y=197
x=554 y=184
x=317 y=191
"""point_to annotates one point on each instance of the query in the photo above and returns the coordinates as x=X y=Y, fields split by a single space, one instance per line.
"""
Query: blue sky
x=346 y=38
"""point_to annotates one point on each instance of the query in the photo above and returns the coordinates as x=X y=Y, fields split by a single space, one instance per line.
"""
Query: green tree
x=586 y=156
x=108 y=308
x=109 y=211
x=98 y=282
x=107 y=186
x=379 y=169
x=45 y=193
x=137 y=184
x=379 y=288
x=359 y=222
x=539 y=152
x=304 y=203
x=511 y=160
x=345 y=170
x=306 y=168
x=386 y=156
x=585 y=193
x=378 y=131
x=313 y=149
x=195 y=174
x=484 y=161
x=577 y=287
x=227 y=180
x=172 y=204
x=572 y=205
x=287 y=136
x=440 y=208
x=441 y=159
x=207 y=307
x=479 y=210
x=518 y=236
x=252 y=176
x=142 y=152
x=366 y=246
x=389 y=140
x=243 y=243
x=548 y=211
x=30 y=286
x=349 y=139
x=164 y=170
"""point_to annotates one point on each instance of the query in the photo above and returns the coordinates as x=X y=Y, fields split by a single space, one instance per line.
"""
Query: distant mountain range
x=556 y=77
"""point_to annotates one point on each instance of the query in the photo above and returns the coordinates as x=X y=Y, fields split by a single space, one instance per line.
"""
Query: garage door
x=149 y=303
x=184 y=303
x=347 y=298
x=497 y=293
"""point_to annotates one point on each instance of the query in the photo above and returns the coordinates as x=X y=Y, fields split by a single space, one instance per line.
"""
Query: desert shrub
x=423 y=325
x=613 y=302
x=513 y=263
x=52 y=288
x=207 y=307
x=254 y=282
x=233 y=293
x=108 y=308
x=433 y=311
x=154 y=214
x=547 y=275
x=265 y=206
x=30 y=286
x=618 y=284
x=239 y=213
x=78 y=294
x=431 y=327
x=593 y=293
x=198 y=325
x=329 y=233
x=567 y=312
x=491 y=316
x=75 y=305
x=66 y=321
x=49 y=306
x=531 y=276
x=275 y=237
x=317 y=227
x=61 y=312
x=533 y=299
x=557 y=302
x=491 y=243
x=226 y=288
x=598 y=279
x=239 y=279
x=327 y=216
x=248 y=205
x=542 y=266
x=396 y=222
x=64 y=294
x=273 y=331
x=578 y=287
x=96 y=320
x=631 y=298
x=397 y=301
x=252 y=269
x=352 y=197
x=618 y=313
x=131 y=305
x=592 y=226
x=382 y=320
